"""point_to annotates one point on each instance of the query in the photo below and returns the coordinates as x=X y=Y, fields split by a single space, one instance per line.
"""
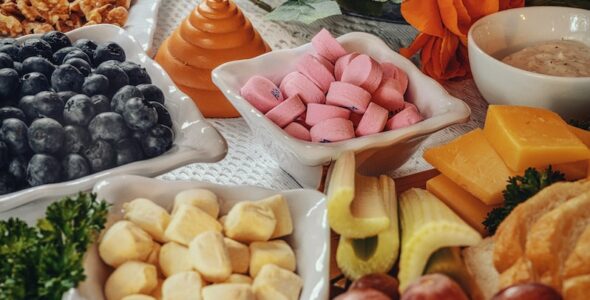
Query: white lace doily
x=247 y=162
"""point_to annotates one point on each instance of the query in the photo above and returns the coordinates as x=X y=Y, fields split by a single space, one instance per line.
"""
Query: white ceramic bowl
x=141 y=22
x=310 y=239
x=195 y=139
x=495 y=36
x=379 y=152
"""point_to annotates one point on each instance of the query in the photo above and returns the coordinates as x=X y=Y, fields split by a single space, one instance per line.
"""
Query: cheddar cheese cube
x=531 y=137
x=472 y=163
x=248 y=222
x=573 y=171
x=188 y=222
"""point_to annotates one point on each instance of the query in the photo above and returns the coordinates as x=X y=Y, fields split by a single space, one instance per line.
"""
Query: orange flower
x=443 y=26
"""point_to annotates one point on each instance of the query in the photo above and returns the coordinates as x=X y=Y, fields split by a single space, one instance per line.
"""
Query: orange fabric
x=443 y=26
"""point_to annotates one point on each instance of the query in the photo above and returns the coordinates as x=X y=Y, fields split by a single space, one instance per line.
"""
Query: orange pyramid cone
x=214 y=33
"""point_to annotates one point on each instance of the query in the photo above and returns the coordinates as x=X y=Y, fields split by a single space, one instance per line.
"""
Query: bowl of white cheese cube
x=194 y=240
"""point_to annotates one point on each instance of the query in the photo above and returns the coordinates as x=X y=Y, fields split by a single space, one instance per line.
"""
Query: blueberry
x=157 y=140
x=95 y=84
x=26 y=104
x=58 y=56
x=79 y=110
x=86 y=45
x=137 y=74
x=80 y=64
x=12 y=50
x=18 y=67
x=101 y=103
x=74 y=166
x=3 y=154
x=7 y=41
x=101 y=156
x=56 y=40
x=137 y=134
x=139 y=114
x=6 y=61
x=76 y=139
x=38 y=64
x=48 y=104
x=111 y=63
x=34 y=83
x=108 y=51
x=128 y=151
x=6 y=183
x=14 y=133
x=117 y=77
x=151 y=92
x=43 y=169
x=17 y=168
x=108 y=126
x=9 y=84
x=67 y=78
x=46 y=135
x=35 y=47
x=122 y=96
x=163 y=114
x=76 y=53
x=66 y=95
x=8 y=112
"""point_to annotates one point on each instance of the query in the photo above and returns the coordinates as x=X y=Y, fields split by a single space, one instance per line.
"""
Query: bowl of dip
x=534 y=56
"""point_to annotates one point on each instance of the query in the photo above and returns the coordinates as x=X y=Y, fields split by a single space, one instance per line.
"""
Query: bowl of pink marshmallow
x=308 y=105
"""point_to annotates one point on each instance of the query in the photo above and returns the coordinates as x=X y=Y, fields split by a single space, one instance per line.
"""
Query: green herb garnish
x=45 y=261
x=518 y=190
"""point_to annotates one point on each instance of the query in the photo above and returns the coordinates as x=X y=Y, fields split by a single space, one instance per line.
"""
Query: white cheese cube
x=247 y=222
x=238 y=278
x=188 y=222
x=182 y=286
x=174 y=258
x=280 y=208
x=210 y=257
x=131 y=278
x=153 y=257
x=201 y=198
x=239 y=254
x=276 y=252
x=124 y=241
x=149 y=216
x=139 y=297
x=233 y=291
x=275 y=283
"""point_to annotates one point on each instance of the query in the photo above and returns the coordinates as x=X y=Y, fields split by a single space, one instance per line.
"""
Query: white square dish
x=376 y=153
x=195 y=139
x=141 y=22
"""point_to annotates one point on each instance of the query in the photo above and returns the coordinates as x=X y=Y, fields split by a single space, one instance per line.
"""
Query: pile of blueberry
x=72 y=109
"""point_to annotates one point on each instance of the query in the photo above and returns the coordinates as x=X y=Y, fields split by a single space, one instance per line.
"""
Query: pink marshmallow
x=404 y=118
x=373 y=120
x=363 y=71
x=342 y=63
x=392 y=71
x=327 y=46
x=261 y=93
x=296 y=83
x=332 y=130
x=287 y=111
x=349 y=96
x=319 y=112
x=299 y=131
x=402 y=77
x=313 y=69
x=388 y=95
x=356 y=119
x=325 y=62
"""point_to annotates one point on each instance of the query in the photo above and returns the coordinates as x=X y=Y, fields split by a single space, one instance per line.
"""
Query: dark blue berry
x=43 y=169
x=108 y=51
x=151 y=93
x=46 y=135
x=108 y=126
x=48 y=104
x=122 y=96
x=8 y=112
x=128 y=151
x=157 y=140
x=58 y=56
x=18 y=67
x=136 y=73
x=117 y=77
x=66 y=95
x=38 y=64
x=137 y=135
x=163 y=114
x=139 y=114
x=14 y=133
x=95 y=84
x=57 y=40
x=76 y=53
x=67 y=78
x=74 y=166
x=101 y=156
x=35 y=47
x=86 y=45
x=12 y=50
x=76 y=139
x=79 y=64
x=79 y=110
x=17 y=168
x=9 y=84
x=6 y=61
x=33 y=83
x=26 y=104
x=3 y=154
x=6 y=183
x=101 y=103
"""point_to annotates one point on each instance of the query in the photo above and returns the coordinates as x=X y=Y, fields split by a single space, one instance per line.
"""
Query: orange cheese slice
x=467 y=206
x=583 y=135
x=473 y=164
x=573 y=171
x=531 y=137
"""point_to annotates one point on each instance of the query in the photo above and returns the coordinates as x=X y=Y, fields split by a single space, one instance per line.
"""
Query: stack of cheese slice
x=214 y=33
x=476 y=166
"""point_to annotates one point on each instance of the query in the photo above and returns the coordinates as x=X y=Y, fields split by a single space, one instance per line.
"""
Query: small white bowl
x=195 y=139
x=377 y=153
x=141 y=22
x=495 y=36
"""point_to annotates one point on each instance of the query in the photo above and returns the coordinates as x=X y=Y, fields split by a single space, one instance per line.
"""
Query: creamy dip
x=557 y=58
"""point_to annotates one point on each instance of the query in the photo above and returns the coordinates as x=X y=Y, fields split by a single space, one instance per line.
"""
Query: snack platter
x=87 y=118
